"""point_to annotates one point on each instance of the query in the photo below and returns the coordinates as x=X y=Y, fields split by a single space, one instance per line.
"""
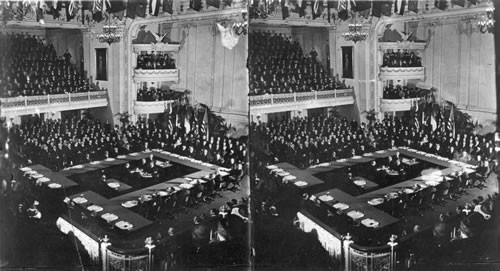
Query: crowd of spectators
x=402 y=92
x=401 y=59
x=30 y=66
x=58 y=144
x=309 y=141
x=156 y=94
x=276 y=64
x=155 y=61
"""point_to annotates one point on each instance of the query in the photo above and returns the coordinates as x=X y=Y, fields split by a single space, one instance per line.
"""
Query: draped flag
x=440 y=4
x=317 y=8
x=229 y=39
x=154 y=7
x=284 y=9
x=458 y=2
x=417 y=124
x=413 y=5
x=168 y=6
x=187 y=125
x=433 y=122
x=140 y=10
x=39 y=12
x=131 y=8
x=342 y=8
x=213 y=3
x=301 y=7
x=204 y=124
x=399 y=7
x=195 y=4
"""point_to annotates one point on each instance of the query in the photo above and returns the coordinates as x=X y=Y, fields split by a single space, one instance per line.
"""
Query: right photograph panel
x=372 y=135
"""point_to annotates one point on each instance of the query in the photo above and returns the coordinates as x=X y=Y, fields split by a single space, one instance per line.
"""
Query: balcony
x=396 y=105
x=153 y=107
x=270 y=103
x=162 y=47
x=170 y=75
x=402 y=73
x=28 y=105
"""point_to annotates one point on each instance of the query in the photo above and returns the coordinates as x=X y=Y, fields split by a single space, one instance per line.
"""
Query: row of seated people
x=278 y=65
x=401 y=59
x=59 y=144
x=308 y=141
x=455 y=235
x=155 y=61
x=228 y=224
x=29 y=66
x=401 y=92
x=155 y=94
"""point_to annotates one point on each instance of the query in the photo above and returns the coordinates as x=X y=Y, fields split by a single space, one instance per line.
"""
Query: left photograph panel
x=124 y=135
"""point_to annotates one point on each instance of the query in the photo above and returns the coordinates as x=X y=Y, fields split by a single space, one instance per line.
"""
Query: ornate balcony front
x=397 y=105
x=152 y=107
x=402 y=73
x=170 y=75
x=159 y=47
x=28 y=105
x=271 y=103
x=401 y=45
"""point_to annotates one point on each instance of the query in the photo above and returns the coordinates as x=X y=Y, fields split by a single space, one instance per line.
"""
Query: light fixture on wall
x=355 y=33
x=109 y=34
x=487 y=24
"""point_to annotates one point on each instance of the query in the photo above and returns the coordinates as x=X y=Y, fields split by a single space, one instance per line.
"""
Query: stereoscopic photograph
x=249 y=135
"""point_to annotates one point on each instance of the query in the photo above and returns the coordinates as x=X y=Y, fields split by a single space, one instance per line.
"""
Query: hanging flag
x=114 y=6
x=342 y=8
x=451 y=121
x=301 y=7
x=361 y=5
x=413 y=5
x=284 y=9
x=399 y=7
x=39 y=12
x=229 y=39
x=213 y=3
x=195 y=4
x=458 y=2
x=168 y=6
x=440 y=4
x=433 y=122
x=386 y=8
x=154 y=7
x=187 y=125
x=131 y=8
x=317 y=8
x=204 y=124
x=140 y=9
x=177 y=121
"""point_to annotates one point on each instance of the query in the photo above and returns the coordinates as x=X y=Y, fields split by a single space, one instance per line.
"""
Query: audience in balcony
x=155 y=61
x=59 y=144
x=277 y=64
x=154 y=94
x=401 y=59
x=30 y=66
x=402 y=92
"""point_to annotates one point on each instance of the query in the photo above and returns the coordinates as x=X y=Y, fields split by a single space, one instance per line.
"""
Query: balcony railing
x=152 y=107
x=269 y=103
x=26 y=105
x=165 y=75
x=396 y=105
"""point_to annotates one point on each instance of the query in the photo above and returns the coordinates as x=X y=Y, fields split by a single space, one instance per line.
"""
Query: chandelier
x=109 y=34
x=355 y=32
x=486 y=25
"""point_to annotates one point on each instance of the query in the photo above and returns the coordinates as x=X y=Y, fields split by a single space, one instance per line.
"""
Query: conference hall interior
x=372 y=134
x=124 y=135
x=249 y=135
